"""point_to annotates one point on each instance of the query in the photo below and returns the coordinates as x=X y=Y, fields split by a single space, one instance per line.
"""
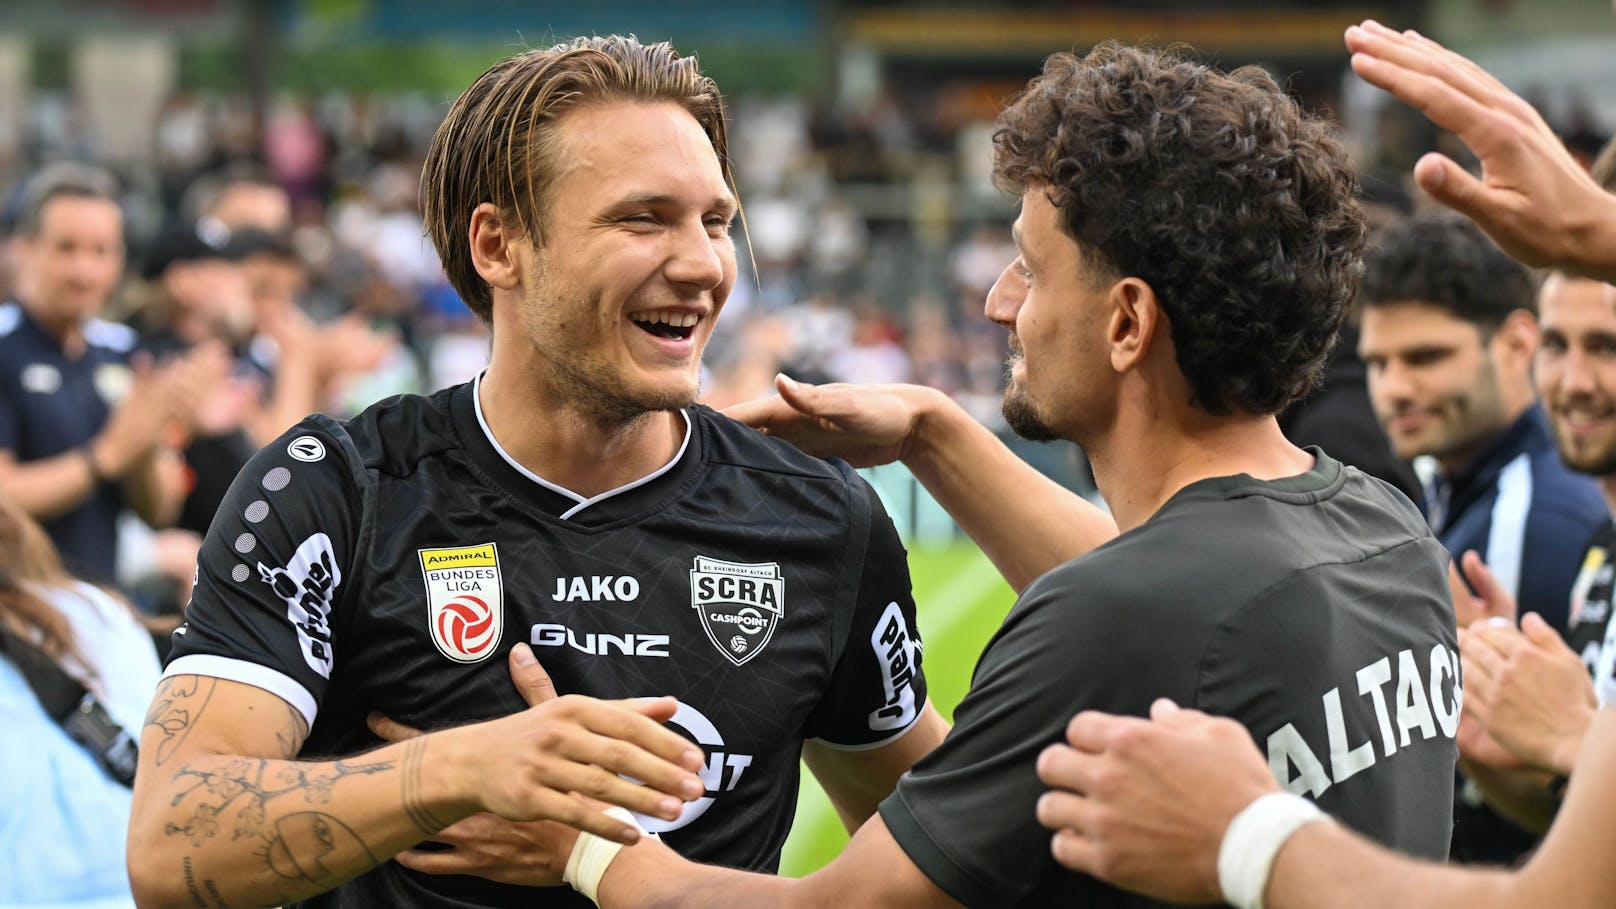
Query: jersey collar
x=566 y=504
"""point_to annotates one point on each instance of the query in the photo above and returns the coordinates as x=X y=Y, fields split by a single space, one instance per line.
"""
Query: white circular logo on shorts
x=306 y=448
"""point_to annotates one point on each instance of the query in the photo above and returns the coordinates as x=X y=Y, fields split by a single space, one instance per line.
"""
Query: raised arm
x=223 y=814
x=1025 y=522
x=1535 y=201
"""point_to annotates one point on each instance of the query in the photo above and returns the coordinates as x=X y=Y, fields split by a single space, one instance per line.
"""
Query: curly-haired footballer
x=1189 y=242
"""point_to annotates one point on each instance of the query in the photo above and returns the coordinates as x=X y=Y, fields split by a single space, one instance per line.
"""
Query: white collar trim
x=477 y=401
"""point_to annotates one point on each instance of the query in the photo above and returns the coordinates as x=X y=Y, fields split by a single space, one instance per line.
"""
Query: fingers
x=1495 y=600
x=1065 y=767
x=1543 y=635
x=1163 y=708
x=1071 y=849
x=659 y=709
x=388 y=729
x=1063 y=810
x=763 y=414
x=531 y=681
x=1092 y=730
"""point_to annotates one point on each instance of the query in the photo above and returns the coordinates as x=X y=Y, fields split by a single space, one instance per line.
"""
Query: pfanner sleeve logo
x=898 y=654
x=308 y=584
x=465 y=600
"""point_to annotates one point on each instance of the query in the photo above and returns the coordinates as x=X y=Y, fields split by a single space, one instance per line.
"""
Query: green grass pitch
x=961 y=601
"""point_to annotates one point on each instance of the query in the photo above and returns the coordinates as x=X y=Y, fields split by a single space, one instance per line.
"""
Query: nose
x=1576 y=373
x=698 y=260
x=1005 y=298
x=1389 y=385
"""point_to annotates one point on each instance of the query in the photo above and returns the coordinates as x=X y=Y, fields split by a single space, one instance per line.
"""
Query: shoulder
x=1559 y=487
x=735 y=444
x=395 y=434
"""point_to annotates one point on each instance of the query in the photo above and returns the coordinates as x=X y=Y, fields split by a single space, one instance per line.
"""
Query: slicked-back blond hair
x=500 y=142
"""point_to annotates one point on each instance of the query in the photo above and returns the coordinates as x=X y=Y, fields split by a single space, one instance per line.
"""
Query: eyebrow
x=725 y=203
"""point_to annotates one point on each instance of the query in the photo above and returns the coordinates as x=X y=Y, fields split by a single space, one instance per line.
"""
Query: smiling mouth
x=672 y=325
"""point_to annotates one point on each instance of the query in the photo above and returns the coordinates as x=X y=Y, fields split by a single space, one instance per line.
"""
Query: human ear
x=1136 y=316
x=493 y=248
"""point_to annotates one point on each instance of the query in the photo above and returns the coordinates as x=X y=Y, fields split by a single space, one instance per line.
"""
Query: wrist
x=1252 y=842
x=101 y=471
x=443 y=771
x=935 y=422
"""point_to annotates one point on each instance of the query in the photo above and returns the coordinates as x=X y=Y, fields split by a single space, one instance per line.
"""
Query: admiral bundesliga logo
x=739 y=604
x=465 y=609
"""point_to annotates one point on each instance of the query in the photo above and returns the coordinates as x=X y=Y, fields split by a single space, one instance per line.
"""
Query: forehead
x=1039 y=222
x=1412 y=322
x=1567 y=304
x=612 y=150
x=78 y=214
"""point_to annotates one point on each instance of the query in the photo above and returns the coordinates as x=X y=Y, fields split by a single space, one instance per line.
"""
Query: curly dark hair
x=1238 y=209
x=1442 y=259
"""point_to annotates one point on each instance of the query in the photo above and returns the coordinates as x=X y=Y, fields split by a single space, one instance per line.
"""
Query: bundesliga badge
x=739 y=604
x=464 y=607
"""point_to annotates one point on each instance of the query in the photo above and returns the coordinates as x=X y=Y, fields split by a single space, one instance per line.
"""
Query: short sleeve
x=877 y=688
x=965 y=813
x=271 y=572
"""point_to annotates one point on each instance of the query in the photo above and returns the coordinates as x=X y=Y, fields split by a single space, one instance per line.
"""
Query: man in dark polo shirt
x=1189 y=242
x=82 y=435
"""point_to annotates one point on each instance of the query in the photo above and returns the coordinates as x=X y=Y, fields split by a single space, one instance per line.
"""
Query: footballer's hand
x=1533 y=198
x=1143 y=804
x=531 y=766
x=1535 y=694
x=865 y=425
x=526 y=853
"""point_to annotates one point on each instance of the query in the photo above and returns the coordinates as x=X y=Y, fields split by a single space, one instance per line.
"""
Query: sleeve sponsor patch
x=898 y=654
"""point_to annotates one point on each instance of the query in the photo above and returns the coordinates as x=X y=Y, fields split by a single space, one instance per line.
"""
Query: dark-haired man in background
x=1449 y=331
x=1160 y=318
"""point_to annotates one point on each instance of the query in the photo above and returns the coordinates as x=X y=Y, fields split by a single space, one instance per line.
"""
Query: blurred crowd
x=200 y=306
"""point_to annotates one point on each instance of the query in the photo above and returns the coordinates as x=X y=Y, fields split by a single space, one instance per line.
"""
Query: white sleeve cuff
x=257 y=675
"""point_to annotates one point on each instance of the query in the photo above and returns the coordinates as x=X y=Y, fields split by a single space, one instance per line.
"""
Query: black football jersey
x=1591 y=633
x=390 y=563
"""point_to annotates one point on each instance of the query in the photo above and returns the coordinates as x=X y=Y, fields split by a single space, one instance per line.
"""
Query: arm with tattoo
x=223 y=815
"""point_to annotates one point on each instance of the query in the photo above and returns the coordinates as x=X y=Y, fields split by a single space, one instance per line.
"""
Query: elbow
x=155 y=880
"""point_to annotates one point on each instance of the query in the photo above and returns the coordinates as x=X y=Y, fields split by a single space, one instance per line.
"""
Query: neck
x=1607 y=485
x=70 y=332
x=1139 y=467
x=571 y=446
x=1456 y=462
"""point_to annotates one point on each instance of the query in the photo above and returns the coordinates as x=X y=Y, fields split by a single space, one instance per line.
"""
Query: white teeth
x=677 y=320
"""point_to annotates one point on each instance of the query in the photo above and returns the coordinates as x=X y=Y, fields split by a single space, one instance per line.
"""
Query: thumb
x=1495 y=600
x=388 y=729
x=531 y=681
x=800 y=395
x=1450 y=184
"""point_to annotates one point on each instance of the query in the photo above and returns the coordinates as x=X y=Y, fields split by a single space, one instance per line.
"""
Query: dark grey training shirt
x=1314 y=609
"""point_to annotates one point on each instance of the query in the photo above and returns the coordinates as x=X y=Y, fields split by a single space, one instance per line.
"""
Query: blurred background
x=861 y=149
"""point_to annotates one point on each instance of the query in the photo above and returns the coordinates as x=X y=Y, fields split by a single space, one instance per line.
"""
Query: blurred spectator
x=1449 y=332
x=54 y=792
x=81 y=434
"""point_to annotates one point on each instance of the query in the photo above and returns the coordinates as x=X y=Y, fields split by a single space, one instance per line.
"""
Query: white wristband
x=592 y=855
x=1253 y=839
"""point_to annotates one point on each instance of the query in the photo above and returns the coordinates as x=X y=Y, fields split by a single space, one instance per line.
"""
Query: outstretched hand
x=557 y=762
x=1535 y=201
x=865 y=425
